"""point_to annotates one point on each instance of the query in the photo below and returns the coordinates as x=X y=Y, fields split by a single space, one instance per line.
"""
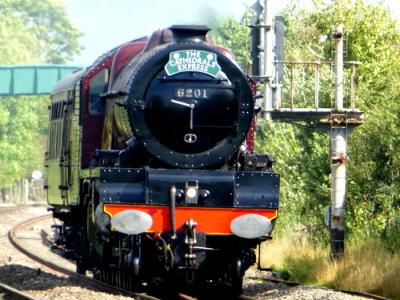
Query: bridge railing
x=17 y=80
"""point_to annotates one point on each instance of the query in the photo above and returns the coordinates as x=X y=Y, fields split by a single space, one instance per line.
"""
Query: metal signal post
x=338 y=136
x=338 y=120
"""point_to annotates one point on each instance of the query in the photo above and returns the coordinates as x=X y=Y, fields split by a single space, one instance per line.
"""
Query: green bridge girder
x=18 y=80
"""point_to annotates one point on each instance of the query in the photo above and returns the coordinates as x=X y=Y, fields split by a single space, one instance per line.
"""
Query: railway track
x=18 y=241
x=85 y=280
x=8 y=292
x=7 y=209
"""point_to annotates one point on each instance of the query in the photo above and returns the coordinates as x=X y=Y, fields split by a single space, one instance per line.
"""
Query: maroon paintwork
x=114 y=61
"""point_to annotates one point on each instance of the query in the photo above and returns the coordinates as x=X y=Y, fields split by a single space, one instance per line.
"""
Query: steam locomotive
x=151 y=169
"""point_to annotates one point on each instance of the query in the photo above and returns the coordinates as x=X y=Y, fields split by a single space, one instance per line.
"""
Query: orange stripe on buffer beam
x=209 y=220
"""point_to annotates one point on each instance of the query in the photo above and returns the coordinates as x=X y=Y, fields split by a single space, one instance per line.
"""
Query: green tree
x=21 y=145
x=43 y=25
x=302 y=154
x=31 y=32
x=235 y=36
x=373 y=39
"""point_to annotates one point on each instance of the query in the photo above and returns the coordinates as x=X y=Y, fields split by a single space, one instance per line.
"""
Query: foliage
x=235 y=36
x=31 y=32
x=373 y=38
x=43 y=25
x=295 y=255
x=20 y=142
x=302 y=160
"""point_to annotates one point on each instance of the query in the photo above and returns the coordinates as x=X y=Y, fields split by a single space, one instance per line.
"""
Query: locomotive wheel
x=82 y=252
x=230 y=281
x=235 y=278
x=114 y=276
x=80 y=268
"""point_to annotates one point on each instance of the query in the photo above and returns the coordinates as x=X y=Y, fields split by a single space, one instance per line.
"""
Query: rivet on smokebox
x=131 y=222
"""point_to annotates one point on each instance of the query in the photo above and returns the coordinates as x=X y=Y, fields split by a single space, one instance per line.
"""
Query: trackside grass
x=367 y=266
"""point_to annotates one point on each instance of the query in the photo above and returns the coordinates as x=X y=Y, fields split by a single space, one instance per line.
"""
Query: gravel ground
x=268 y=290
x=22 y=273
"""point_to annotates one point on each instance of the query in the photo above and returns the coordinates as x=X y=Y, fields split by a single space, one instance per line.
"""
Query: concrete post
x=338 y=35
x=338 y=134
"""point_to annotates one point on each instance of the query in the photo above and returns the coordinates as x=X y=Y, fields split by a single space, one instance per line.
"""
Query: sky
x=109 y=23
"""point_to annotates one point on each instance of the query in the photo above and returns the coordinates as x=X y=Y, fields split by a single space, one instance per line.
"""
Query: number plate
x=192 y=93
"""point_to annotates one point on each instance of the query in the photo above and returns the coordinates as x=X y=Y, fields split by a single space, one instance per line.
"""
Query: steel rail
x=82 y=279
x=14 y=293
x=6 y=209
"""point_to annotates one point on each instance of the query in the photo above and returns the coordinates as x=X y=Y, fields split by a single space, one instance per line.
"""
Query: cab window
x=98 y=85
